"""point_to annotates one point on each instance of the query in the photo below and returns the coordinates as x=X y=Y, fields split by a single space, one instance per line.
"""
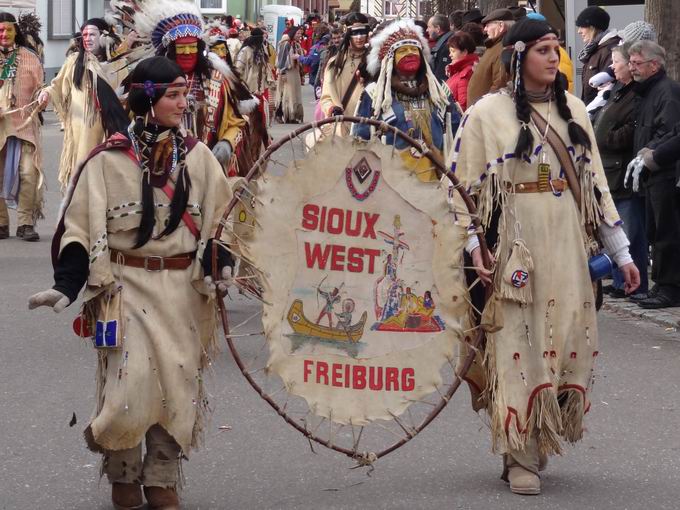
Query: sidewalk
x=668 y=318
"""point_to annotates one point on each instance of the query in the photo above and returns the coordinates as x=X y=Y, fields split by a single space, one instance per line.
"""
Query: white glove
x=51 y=297
x=222 y=151
x=221 y=285
x=633 y=170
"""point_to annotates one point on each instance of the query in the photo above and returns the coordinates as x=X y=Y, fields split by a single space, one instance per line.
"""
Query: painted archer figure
x=331 y=298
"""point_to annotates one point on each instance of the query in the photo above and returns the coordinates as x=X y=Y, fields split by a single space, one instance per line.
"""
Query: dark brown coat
x=614 y=130
x=489 y=74
x=599 y=61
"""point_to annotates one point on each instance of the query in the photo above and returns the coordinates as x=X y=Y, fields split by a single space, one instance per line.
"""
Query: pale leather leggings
x=160 y=467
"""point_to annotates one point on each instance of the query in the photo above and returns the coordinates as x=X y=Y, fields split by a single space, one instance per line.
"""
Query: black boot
x=667 y=296
x=4 y=231
x=641 y=296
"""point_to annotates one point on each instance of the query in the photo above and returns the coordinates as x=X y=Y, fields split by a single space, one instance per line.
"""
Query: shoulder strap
x=562 y=154
x=350 y=90
x=186 y=217
x=567 y=163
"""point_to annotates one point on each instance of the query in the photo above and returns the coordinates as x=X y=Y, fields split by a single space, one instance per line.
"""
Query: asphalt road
x=629 y=459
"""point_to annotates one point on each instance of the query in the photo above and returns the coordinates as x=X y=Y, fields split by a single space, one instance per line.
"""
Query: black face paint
x=358 y=32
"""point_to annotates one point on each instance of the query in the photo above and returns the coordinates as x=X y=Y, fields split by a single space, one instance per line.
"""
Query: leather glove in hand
x=222 y=151
x=51 y=297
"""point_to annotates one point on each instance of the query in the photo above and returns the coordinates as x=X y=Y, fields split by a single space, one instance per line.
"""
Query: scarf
x=540 y=97
x=590 y=48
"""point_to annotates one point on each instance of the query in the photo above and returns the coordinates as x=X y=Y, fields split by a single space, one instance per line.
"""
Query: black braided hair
x=180 y=199
x=525 y=141
x=157 y=70
x=529 y=30
x=577 y=134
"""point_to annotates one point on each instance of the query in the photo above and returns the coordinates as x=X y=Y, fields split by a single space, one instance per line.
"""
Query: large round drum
x=358 y=264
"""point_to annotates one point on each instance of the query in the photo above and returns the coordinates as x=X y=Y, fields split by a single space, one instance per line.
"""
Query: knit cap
x=638 y=31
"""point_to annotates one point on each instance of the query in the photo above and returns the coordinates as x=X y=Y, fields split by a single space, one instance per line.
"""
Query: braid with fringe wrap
x=577 y=134
x=525 y=141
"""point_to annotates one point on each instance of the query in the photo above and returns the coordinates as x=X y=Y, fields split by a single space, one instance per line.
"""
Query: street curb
x=667 y=317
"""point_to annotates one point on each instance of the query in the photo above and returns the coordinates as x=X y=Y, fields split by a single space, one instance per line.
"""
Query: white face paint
x=91 y=35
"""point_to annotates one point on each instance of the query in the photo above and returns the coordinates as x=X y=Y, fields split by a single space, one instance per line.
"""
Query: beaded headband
x=150 y=87
x=521 y=46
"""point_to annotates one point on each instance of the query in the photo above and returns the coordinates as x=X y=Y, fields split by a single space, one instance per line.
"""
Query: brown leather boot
x=126 y=496
x=27 y=233
x=161 y=498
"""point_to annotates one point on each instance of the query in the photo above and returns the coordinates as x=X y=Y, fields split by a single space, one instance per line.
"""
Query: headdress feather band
x=164 y=21
x=171 y=29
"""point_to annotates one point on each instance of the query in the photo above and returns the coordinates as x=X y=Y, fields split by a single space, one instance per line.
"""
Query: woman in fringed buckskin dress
x=536 y=373
x=137 y=229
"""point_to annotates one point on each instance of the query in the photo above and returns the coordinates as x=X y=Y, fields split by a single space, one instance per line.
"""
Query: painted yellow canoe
x=302 y=326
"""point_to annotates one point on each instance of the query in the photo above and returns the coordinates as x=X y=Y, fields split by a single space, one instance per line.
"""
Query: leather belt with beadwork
x=554 y=186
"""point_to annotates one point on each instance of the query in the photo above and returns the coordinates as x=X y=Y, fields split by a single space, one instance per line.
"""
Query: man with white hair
x=490 y=74
x=658 y=113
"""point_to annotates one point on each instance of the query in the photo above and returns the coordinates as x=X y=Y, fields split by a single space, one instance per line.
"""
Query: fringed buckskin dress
x=537 y=371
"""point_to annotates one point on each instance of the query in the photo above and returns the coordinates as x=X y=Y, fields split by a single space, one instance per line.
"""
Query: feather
x=378 y=41
x=222 y=67
x=248 y=105
x=155 y=18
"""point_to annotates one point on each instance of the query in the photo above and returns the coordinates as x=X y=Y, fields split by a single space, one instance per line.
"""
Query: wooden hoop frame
x=475 y=345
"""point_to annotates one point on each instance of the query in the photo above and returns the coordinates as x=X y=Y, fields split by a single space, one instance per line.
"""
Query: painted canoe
x=303 y=326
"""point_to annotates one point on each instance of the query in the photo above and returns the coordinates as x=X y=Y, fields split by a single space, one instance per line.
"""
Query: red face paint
x=185 y=58
x=410 y=64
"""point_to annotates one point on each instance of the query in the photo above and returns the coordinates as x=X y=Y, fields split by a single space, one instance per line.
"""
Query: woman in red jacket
x=463 y=60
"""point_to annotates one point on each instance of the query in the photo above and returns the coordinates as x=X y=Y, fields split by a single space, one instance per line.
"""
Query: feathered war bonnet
x=216 y=32
x=380 y=62
x=164 y=21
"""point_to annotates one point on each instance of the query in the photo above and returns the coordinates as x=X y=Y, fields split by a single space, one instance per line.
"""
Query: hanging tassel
x=516 y=283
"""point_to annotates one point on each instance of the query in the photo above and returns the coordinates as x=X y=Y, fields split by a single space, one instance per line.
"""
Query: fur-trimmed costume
x=218 y=102
x=419 y=107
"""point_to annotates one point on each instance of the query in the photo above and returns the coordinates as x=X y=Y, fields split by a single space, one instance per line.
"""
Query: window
x=214 y=6
x=394 y=7
x=61 y=19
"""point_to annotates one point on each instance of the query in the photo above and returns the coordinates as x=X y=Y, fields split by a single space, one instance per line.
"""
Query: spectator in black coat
x=658 y=112
x=614 y=130
x=439 y=30
x=598 y=40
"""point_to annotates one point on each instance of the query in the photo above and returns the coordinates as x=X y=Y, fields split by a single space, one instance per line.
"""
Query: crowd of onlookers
x=634 y=107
